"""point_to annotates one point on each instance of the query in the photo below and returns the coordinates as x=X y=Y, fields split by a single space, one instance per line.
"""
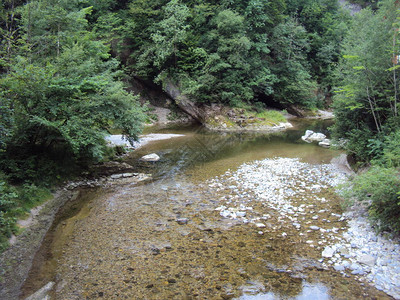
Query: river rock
x=241 y=214
x=328 y=252
x=325 y=143
x=116 y=176
x=307 y=134
x=182 y=221
x=42 y=294
x=126 y=175
x=311 y=136
x=338 y=267
x=367 y=260
x=314 y=227
x=150 y=157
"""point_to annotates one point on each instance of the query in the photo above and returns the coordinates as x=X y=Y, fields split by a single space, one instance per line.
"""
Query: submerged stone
x=182 y=221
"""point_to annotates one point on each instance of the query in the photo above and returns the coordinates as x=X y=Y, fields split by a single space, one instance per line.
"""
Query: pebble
x=182 y=221
x=328 y=252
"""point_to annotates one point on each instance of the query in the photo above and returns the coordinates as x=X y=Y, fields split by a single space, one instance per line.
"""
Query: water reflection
x=201 y=150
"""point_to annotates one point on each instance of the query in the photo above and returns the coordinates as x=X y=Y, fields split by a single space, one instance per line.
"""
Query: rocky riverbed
x=272 y=228
x=294 y=195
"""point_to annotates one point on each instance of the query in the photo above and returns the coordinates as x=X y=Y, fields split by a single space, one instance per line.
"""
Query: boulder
x=150 y=157
x=317 y=137
x=311 y=136
x=325 y=143
x=307 y=135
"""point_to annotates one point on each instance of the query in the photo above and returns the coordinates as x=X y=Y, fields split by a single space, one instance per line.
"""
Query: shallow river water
x=227 y=216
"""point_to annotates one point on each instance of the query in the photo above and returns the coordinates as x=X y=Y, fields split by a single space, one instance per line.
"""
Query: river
x=205 y=226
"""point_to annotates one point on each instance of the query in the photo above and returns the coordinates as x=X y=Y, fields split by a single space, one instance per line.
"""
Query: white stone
x=116 y=176
x=241 y=214
x=328 y=252
x=325 y=143
x=150 y=157
x=367 y=260
x=126 y=175
x=314 y=227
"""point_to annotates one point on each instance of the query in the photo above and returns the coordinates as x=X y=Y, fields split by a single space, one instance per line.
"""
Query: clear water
x=124 y=242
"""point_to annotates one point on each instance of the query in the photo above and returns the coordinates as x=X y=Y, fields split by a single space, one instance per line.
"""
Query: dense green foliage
x=236 y=52
x=60 y=94
x=367 y=108
x=380 y=187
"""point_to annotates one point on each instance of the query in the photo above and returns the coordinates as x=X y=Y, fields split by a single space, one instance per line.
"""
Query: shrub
x=381 y=186
x=8 y=203
x=15 y=202
x=391 y=151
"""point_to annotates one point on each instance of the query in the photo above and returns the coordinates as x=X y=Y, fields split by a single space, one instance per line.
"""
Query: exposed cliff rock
x=184 y=103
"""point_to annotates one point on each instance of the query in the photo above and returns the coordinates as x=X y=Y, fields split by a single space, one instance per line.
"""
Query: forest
x=66 y=66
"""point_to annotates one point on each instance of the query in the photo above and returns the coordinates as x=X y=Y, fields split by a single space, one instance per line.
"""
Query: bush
x=8 y=203
x=391 y=151
x=15 y=202
x=381 y=186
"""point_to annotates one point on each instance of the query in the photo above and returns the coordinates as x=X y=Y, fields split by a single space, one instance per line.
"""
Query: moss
x=265 y=117
x=220 y=121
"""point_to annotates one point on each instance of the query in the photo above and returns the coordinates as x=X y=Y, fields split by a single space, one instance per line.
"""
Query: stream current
x=226 y=216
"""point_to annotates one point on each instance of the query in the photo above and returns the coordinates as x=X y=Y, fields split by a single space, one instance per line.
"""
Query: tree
x=366 y=102
x=289 y=49
x=166 y=37
x=64 y=101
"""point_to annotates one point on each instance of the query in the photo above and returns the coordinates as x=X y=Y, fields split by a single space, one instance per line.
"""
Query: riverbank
x=16 y=261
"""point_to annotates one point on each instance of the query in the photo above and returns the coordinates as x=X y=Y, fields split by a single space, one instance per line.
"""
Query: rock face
x=150 y=158
x=188 y=106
